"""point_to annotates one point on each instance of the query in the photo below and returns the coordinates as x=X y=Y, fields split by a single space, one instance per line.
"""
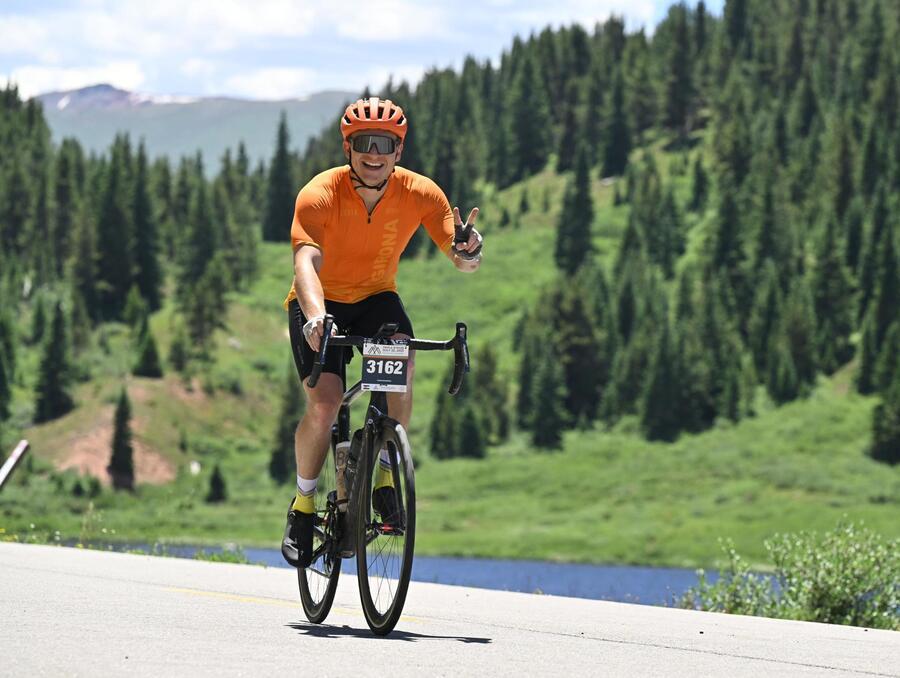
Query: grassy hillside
x=608 y=496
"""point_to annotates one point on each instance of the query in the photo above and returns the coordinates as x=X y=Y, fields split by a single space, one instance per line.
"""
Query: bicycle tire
x=382 y=602
x=318 y=582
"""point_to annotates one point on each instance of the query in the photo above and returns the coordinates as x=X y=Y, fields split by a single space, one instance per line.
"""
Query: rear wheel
x=385 y=543
x=318 y=582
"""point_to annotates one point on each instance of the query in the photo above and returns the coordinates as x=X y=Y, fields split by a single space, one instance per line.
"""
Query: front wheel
x=386 y=529
x=318 y=582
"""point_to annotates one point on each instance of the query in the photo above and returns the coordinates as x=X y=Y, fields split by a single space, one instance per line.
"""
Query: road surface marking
x=271 y=601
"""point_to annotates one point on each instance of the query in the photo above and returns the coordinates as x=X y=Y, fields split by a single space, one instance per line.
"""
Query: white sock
x=306 y=487
x=385 y=457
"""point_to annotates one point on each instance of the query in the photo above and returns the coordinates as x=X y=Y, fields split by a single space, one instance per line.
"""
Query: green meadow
x=608 y=496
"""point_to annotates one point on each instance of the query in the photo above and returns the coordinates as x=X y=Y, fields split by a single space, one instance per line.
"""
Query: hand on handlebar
x=313 y=330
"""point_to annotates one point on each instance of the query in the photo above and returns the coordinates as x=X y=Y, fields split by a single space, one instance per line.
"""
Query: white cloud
x=203 y=68
x=378 y=77
x=390 y=21
x=537 y=14
x=191 y=45
x=33 y=80
x=272 y=83
x=24 y=35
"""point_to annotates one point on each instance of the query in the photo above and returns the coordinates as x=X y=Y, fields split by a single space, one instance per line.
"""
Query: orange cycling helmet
x=375 y=114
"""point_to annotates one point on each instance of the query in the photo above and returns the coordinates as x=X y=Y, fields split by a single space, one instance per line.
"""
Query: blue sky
x=271 y=49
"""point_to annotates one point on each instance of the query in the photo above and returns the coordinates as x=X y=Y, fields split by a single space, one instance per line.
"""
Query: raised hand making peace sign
x=467 y=242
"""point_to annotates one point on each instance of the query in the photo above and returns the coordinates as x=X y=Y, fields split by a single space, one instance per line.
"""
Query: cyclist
x=350 y=225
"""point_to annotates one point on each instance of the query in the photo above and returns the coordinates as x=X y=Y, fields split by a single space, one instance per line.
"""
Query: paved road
x=68 y=612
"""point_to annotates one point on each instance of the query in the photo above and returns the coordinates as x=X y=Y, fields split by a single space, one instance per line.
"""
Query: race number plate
x=384 y=367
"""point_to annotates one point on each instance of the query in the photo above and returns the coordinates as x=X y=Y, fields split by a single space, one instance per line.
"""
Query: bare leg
x=313 y=434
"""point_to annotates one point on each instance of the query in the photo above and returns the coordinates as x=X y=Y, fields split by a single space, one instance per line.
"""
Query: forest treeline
x=777 y=264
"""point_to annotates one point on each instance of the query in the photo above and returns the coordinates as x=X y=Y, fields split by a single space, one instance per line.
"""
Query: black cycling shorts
x=363 y=318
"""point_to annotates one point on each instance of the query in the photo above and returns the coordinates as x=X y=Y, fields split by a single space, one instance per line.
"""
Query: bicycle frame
x=377 y=411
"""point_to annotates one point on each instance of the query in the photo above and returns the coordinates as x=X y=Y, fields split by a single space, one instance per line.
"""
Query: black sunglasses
x=363 y=143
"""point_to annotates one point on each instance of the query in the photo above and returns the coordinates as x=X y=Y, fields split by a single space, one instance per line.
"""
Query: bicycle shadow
x=345 y=631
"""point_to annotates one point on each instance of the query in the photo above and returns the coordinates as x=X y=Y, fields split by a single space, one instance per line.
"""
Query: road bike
x=346 y=523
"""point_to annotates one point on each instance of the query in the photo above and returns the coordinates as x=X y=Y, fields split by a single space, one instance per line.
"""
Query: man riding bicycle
x=351 y=223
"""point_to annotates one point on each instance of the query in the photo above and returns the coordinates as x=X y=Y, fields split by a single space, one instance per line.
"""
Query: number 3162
x=384 y=367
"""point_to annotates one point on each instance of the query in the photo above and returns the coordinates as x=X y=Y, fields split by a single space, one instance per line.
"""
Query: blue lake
x=627 y=584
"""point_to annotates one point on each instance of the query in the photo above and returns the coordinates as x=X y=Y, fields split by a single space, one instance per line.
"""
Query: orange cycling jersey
x=360 y=252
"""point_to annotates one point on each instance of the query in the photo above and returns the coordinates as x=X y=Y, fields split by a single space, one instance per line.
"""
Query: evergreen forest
x=711 y=212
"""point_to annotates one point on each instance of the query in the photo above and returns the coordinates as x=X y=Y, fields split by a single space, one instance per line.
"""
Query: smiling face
x=373 y=168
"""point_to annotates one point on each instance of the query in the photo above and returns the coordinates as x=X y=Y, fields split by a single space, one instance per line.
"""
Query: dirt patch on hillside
x=194 y=396
x=89 y=454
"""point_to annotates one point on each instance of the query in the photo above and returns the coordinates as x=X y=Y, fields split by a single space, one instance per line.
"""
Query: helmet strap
x=358 y=180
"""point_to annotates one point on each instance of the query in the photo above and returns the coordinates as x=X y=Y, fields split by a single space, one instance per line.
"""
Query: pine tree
x=838 y=180
x=660 y=417
x=218 y=492
x=199 y=245
x=573 y=235
x=617 y=136
x=38 y=320
x=579 y=351
x=491 y=395
x=592 y=129
x=886 y=302
x=868 y=267
x=873 y=162
x=81 y=325
x=696 y=404
x=728 y=250
x=767 y=246
x=528 y=122
x=5 y=378
x=765 y=316
x=121 y=462
x=678 y=93
x=15 y=208
x=44 y=259
x=83 y=263
x=868 y=357
x=147 y=363
x=799 y=329
x=178 y=349
x=699 y=186
x=888 y=365
x=569 y=139
x=8 y=341
x=282 y=463
x=833 y=302
x=548 y=397
x=281 y=189
x=782 y=382
x=668 y=242
x=531 y=346
x=853 y=227
x=886 y=426
x=629 y=374
x=736 y=21
x=472 y=441
x=148 y=277
x=114 y=237
x=52 y=398
x=136 y=308
x=442 y=432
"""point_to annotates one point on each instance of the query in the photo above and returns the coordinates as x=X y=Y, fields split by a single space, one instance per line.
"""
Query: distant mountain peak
x=105 y=96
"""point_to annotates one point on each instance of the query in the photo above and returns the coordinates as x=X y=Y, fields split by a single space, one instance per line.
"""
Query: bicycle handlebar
x=458 y=344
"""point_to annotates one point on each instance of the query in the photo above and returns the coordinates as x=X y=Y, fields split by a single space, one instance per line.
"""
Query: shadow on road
x=330 y=631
